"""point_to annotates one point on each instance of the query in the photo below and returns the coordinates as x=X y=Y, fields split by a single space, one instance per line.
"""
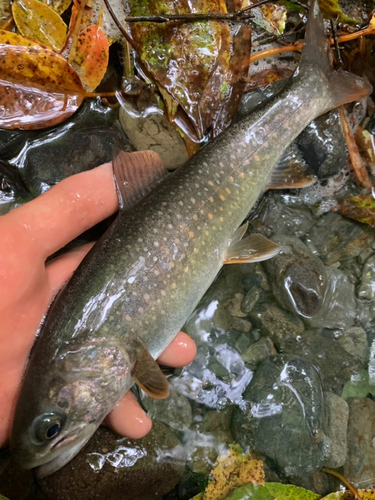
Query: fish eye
x=47 y=427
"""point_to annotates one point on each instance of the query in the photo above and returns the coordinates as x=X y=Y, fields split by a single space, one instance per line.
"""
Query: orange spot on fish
x=171 y=264
x=211 y=199
x=222 y=197
x=227 y=190
x=210 y=216
x=195 y=217
x=191 y=234
x=206 y=233
x=241 y=175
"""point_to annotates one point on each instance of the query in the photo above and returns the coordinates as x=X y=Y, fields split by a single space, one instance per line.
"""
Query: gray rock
x=359 y=468
x=335 y=364
x=174 y=411
x=251 y=280
x=284 y=414
x=339 y=308
x=335 y=428
x=205 y=439
x=354 y=341
x=250 y=299
x=366 y=288
x=150 y=129
x=273 y=217
x=276 y=323
x=334 y=238
x=298 y=279
x=258 y=351
x=241 y=324
x=233 y=305
x=111 y=466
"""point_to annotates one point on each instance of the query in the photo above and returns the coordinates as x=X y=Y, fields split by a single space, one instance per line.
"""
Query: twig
x=119 y=25
x=343 y=480
x=339 y=62
x=211 y=16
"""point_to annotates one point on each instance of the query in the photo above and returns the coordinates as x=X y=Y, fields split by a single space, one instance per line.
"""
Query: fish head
x=58 y=413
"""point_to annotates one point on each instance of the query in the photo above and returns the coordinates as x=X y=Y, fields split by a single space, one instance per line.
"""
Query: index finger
x=68 y=209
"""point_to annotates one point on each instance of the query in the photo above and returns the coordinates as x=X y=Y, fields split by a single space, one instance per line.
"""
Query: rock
x=323 y=146
x=203 y=442
x=354 y=341
x=335 y=364
x=149 y=128
x=339 y=308
x=276 y=323
x=251 y=280
x=242 y=340
x=111 y=466
x=366 y=288
x=359 y=468
x=284 y=414
x=174 y=411
x=250 y=299
x=298 y=278
x=274 y=217
x=241 y=324
x=334 y=238
x=258 y=351
x=335 y=428
x=264 y=281
x=233 y=305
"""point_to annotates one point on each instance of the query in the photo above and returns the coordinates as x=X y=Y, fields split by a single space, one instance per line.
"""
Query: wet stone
x=250 y=299
x=366 y=288
x=251 y=280
x=241 y=324
x=335 y=428
x=334 y=238
x=335 y=365
x=276 y=323
x=284 y=414
x=298 y=278
x=273 y=217
x=354 y=341
x=174 y=411
x=359 y=468
x=339 y=307
x=233 y=305
x=258 y=351
x=110 y=465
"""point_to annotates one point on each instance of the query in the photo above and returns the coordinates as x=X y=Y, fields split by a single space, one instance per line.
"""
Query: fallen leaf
x=271 y=16
x=360 y=208
x=58 y=6
x=232 y=469
x=189 y=61
x=358 y=386
x=332 y=9
x=91 y=56
x=38 y=21
x=290 y=492
x=250 y=492
x=38 y=87
x=5 y=11
x=347 y=495
x=29 y=63
x=267 y=76
x=31 y=108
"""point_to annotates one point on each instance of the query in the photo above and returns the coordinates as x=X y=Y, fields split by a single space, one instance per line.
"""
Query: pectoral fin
x=253 y=248
x=136 y=175
x=148 y=375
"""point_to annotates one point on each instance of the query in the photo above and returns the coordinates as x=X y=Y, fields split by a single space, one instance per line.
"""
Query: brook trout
x=141 y=281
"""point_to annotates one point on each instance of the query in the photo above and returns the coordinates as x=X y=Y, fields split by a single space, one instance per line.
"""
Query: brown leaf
x=360 y=208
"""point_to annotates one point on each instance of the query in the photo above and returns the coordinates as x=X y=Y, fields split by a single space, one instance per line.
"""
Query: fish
x=144 y=277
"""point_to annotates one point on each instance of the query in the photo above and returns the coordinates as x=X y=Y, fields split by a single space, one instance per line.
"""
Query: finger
x=128 y=418
x=68 y=209
x=60 y=270
x=180 y=352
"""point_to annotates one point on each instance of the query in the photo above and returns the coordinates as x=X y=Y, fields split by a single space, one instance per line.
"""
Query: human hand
x=28 y=236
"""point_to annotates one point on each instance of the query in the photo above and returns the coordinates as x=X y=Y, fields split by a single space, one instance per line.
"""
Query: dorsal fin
x=136 y=175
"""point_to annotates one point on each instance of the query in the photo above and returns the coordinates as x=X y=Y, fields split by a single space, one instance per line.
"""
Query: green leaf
x=358 y=386
x=251 y=492
x=271 y=16
x=290 y=492
x=3 y=498
x=331 y=9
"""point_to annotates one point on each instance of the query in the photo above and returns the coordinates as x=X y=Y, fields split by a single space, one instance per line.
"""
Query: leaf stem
x=343 y=480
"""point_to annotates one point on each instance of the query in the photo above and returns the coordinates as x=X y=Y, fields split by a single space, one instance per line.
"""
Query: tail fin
x=344 y=87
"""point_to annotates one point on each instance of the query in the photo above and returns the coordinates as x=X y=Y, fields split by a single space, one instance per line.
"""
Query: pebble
x=250 y=299
x=335 y=428
x=258 y=351
x=366 y=288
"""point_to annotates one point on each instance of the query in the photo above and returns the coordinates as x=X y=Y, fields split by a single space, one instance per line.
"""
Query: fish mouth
x=64 y=450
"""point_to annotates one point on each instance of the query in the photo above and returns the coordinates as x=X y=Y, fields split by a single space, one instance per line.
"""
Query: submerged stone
x=366 y=288
x=335 y=428
x=298 y=278
x=113 y=467
x=283 y=415
x=258 y=351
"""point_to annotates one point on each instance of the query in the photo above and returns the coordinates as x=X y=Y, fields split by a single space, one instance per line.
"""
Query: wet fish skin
x=147 y=273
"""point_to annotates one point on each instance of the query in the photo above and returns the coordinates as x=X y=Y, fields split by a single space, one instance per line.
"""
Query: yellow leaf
x=36 y=20
x=232 y=469
x=58 y=6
